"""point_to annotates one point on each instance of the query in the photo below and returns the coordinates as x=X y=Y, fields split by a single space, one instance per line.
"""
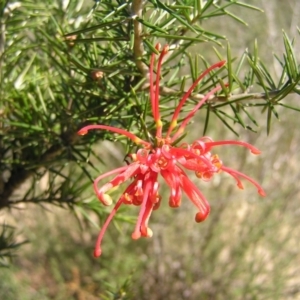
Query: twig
x=165 y=91
x=138 y=47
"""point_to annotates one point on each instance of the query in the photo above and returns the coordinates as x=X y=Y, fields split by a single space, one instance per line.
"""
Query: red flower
x=164 y=158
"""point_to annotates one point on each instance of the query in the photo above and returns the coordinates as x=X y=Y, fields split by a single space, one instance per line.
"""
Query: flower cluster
x=165 y=158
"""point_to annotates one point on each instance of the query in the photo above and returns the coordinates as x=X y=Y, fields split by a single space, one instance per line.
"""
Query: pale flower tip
x=222 y=63
x=147 y=232
x=136 y=235
x=105 y=199
x=82 y=132
x=97 y=252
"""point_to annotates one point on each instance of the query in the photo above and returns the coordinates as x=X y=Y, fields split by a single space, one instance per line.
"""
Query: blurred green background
x=247 y=249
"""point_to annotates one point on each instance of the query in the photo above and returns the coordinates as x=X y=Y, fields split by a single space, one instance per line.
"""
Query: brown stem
x=138 y=47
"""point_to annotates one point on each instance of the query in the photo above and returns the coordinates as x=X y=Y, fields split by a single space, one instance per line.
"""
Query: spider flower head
x=164 y=158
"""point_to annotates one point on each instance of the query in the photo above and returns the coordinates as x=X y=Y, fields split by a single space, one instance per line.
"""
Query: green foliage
x=8 y=245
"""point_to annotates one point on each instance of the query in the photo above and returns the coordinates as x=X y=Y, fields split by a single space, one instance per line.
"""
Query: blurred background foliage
x=65 y=64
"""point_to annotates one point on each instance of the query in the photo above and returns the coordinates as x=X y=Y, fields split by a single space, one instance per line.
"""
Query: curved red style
x=165 y=159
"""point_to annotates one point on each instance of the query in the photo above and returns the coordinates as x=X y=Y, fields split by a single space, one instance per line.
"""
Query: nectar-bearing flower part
x=166 y=159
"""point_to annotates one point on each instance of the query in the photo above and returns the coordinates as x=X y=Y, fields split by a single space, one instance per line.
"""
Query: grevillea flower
x=164 y=158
